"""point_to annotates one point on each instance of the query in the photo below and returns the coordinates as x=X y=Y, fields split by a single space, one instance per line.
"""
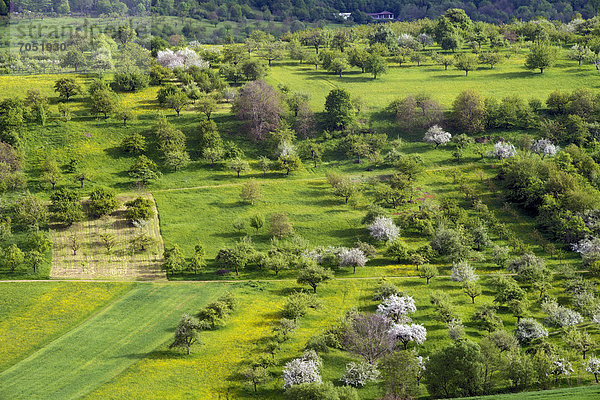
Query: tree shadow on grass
x=286 y=291
x=116 y=153
x=160 y=354
x=450 y=76
x=229 y=235
x=323 y=202
x=268 y=318
x=519 y=74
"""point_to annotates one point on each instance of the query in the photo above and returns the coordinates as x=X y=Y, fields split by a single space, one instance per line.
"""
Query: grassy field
x=320 y=217
x=33 y=314
x=106 y=344
x=121 y=352
x=93 y=261
x=212 y=371
x=442 y=85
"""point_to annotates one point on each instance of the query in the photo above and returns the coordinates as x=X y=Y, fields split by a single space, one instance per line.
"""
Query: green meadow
x=111 y=356
x=110 y=340
x=97 y=349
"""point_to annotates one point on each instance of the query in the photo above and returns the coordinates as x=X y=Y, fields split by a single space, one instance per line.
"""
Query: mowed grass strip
x=32 y=314
x=106 y=344
x=579 y=393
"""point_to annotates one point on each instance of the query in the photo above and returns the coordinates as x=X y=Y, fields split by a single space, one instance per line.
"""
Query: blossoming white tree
x=359 y=374
x=409 y=333
x=383 y=228
x=528 y=329
x=561 y=367
x=420 y=367
x=593 y=367
x=285 y=149
x=407 y=40
x=503 y=150
x=463 y=272
x=456 y=330
x=327 y=256
x=544 y=147
x=396 y=307
x=352 y=258
x=437 y=136
x=306 y=369
x=559 y=316
x=183 y=58
x=589 y=249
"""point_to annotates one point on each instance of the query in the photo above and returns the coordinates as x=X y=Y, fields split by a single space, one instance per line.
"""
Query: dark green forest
x=313 y=10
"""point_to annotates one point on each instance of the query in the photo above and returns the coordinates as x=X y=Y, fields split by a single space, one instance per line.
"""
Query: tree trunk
x=315 y=288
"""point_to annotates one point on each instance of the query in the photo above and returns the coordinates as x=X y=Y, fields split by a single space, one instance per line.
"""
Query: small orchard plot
x=109 y=247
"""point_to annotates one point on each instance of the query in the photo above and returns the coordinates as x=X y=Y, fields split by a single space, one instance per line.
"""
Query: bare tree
x=368 y=336
x=260 y=106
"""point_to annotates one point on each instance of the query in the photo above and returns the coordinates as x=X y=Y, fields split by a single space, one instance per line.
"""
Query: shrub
x=103 y=201
x=359 y=374
x=130 y=79
x=312 y=391
x=139 y=209
x=318 y=343
x=385 y=290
